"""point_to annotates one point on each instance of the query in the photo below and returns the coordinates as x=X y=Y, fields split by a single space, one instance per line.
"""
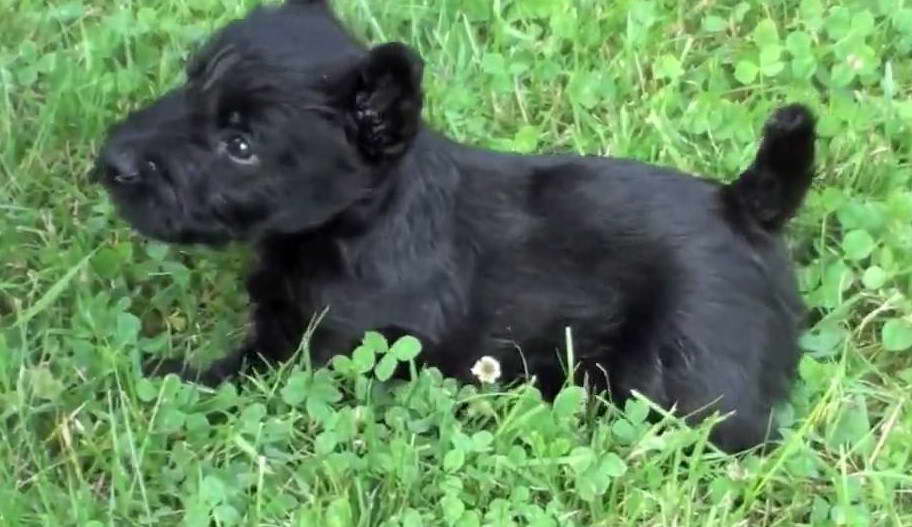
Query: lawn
x=86 y=440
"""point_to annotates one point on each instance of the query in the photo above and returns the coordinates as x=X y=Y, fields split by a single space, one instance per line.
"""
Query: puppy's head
x=284 y=123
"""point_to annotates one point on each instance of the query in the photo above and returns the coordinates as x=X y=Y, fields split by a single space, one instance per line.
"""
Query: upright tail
x=772 y=189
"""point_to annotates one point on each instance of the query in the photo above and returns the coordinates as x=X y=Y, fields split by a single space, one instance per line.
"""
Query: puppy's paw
x=210 y=377
x=157 y=367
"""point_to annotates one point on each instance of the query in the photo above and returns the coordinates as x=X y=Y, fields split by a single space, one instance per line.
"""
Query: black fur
x=293 y=137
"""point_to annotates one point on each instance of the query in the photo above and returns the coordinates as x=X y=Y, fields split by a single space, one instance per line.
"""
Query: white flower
x=855 y=62
x=487 y=369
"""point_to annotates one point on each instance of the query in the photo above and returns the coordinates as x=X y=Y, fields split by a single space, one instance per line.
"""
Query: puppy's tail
x=772 y=189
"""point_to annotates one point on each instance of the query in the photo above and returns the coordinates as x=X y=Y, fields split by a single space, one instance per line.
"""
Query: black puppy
x=292 y=136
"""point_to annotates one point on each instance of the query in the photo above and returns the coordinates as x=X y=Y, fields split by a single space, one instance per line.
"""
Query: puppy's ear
x=204 y=74
x=219 y=97
x=384 y=101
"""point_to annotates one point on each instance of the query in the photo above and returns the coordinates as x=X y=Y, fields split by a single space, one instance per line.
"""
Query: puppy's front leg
x=274 y=336
x=211 y=376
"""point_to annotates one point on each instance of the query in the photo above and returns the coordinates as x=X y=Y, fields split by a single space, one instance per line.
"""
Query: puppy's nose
x=122 y=167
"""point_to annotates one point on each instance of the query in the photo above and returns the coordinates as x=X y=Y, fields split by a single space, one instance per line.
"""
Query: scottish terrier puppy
x=292 y=136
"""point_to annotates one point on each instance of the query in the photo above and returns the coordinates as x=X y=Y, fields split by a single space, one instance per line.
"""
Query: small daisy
x=487 y=369
x=855 y=62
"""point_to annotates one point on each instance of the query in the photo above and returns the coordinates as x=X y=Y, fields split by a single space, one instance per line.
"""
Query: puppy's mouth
x=237 y=219
x=223 y=213
x=169 y=218
x=217 y=224
x=193 y=237
x=184 y=230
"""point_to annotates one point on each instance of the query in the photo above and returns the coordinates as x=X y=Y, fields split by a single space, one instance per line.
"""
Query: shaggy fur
x=292 y=136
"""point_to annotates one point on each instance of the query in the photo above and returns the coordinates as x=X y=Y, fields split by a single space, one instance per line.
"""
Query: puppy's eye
x=239 y=149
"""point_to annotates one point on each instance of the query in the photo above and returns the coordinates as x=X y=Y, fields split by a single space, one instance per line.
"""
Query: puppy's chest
x=354 y=307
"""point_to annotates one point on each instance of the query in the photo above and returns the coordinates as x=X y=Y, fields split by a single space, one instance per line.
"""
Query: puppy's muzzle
x=124 y=168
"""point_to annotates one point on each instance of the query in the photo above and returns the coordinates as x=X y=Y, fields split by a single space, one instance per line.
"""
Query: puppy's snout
x=121 y=167
x=127 y=169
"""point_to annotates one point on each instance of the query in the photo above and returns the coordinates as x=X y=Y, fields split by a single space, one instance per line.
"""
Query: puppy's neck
x=409 y=225
x=412 y=258
x=402 y=231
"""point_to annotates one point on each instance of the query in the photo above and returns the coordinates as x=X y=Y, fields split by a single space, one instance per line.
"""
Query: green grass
x=86 y=440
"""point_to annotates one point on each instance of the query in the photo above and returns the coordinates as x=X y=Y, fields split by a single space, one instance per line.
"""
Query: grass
x=86 y=440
